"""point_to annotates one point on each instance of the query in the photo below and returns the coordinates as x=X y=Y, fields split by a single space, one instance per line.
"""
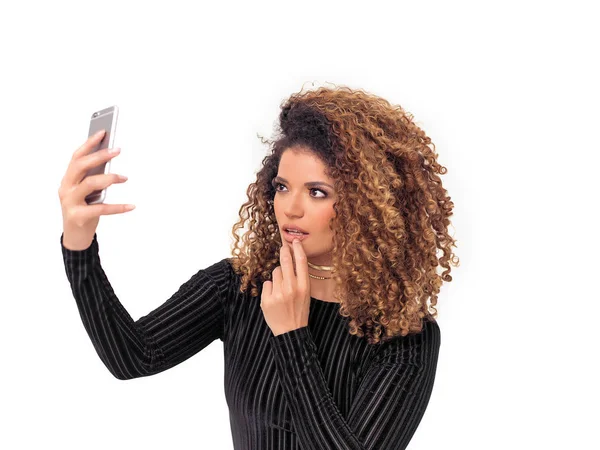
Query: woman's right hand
x=80 y=219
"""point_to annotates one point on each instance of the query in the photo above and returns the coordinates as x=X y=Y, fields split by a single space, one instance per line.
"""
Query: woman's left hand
x=285 y=301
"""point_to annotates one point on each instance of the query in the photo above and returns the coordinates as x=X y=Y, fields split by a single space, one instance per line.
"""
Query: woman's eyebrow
x=309 y=184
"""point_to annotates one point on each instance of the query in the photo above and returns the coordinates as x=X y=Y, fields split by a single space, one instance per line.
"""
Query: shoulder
x=222 y=273
x=419 y=349
x=219 y=268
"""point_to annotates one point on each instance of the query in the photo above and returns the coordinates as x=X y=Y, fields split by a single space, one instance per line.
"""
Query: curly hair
x=391 y=211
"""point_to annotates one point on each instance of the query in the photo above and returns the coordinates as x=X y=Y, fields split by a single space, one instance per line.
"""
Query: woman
x=333 y=345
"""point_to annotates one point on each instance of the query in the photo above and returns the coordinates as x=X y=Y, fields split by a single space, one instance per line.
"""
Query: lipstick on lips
x=289 y=237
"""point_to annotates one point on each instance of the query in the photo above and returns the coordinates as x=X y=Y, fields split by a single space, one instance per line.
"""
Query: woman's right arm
x=182 y=326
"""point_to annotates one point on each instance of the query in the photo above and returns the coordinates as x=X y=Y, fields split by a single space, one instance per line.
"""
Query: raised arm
x=186 y=323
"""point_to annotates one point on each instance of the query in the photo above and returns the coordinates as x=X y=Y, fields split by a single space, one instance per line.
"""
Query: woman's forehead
x=301 y=165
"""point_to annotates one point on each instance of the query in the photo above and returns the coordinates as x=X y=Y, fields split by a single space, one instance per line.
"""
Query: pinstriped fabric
x=185 y=324
x=316 y=387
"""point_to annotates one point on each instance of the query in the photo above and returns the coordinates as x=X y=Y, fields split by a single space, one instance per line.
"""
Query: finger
x=93 y=140
x=287 y=267
x=289 y=246
x=94 y=183
x=277 y=280
x=76 y=170
x=86 y=212
x=301 y=266
x=267 y=289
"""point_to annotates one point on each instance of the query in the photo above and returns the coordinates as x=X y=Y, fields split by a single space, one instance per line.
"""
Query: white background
x=508 y=92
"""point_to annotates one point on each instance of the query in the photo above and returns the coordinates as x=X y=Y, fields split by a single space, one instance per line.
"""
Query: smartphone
x=104 y=119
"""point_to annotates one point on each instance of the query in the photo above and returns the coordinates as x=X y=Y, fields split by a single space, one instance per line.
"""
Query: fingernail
x=114 y=150
x=295 y=240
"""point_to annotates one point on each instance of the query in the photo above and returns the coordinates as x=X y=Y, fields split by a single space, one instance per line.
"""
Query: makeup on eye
x=275 y=185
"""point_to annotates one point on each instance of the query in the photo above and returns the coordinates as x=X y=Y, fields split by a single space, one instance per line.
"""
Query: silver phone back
x=103 y=119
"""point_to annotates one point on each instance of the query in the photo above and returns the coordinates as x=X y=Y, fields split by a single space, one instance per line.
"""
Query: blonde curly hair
x=391 y=212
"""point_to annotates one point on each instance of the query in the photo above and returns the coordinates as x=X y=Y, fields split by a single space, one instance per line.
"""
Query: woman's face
x=308 y=207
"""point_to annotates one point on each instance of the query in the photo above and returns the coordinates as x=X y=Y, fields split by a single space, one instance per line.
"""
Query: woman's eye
x=312 y=189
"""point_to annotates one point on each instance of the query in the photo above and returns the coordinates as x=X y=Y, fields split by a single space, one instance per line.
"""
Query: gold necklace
x=314 y=266
x=316 y=277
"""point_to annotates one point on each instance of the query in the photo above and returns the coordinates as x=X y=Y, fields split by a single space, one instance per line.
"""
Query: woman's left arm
x=388 y=406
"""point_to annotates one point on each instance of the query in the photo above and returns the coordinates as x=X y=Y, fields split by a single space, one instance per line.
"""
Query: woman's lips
x=290 y=237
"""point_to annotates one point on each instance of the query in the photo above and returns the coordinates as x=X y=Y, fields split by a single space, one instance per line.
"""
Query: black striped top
x=316 y=387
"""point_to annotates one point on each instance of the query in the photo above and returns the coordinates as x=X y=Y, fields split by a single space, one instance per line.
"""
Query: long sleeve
x=388 y=406
x=186 y=323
